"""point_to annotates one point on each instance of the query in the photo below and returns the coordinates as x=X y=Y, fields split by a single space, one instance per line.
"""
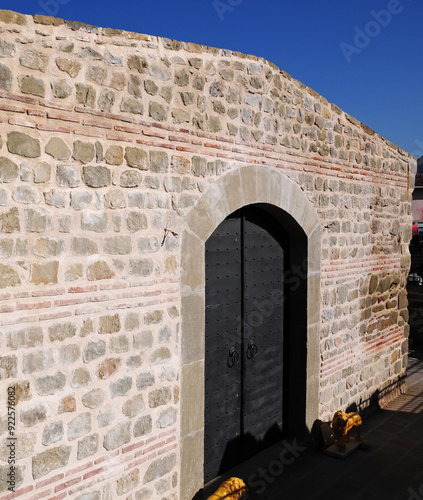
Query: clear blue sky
x=365 y=55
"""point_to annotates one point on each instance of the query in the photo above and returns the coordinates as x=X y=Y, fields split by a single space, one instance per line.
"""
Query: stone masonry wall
x=107 y=140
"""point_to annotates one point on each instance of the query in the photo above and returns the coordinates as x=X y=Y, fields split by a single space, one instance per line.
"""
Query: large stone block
x=133 y=406
x=97 y=74
x=148 y=244
x=130 y=179
x=108 y=367
x=114 y=155
x=96 y=176
x=109 y=324
x=115 y=199
x=128 y=482
x=83 y=151
x=153 y=317
x=143 y=200
x=67 y=404
x=9 y=221
x=36 y=412
x=50 y=384
x=85 y=94
x=93 y=221
x=166 y=418
x=69 y=354
x=121 y=387
x=25 y=446
x=31 y=336
x=136 y=221
x=106 y=100
x=132 y=321
x=159 y=161
x=137 y=63
x=134 y=85
x=143 y=340
x=26 y=195
x=71 y=67
x=159 y=72
x=160 y=467
x=61 y=331
x=141 y=267
x=8 y=277
x=131 y=105
x=81 y=199
x=46 y=247
x=6 y=77
x=87 y=446
x=37 y=361
x=49 y=460
x=7 y=49
x=22 y=391
x=160 y=356
x=32 y=85
x=117 y=245
x=95 y=349
x=145 y=380
x=180 y=116
x=192 y=397
x=117 y=436
x=67 y=175
x=55 y=198
x=119 y=344
x=99 y=271
x=157 y=111
x=94 y=398
x=34 y=59
x=52 y=433
x=5 y=470
x=143 y=426
x=38 y=220
x=4 y=197
x=402 y=299
x=106 y=416
x=165 y=334
x=83 y=246
x=23 y=145
x=81 y=377
x=9 y=171
x=58 y=149
x=61 y=88
x=79 y=426
x=159 y=397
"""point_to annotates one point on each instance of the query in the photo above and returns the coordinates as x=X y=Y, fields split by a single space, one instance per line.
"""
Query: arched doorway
x=253 y=285
x=281 y=198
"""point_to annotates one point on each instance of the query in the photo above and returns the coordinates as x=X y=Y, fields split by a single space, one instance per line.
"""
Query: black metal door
x=244 y=340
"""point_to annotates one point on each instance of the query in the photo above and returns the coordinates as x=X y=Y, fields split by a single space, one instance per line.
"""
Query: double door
x=244 y=339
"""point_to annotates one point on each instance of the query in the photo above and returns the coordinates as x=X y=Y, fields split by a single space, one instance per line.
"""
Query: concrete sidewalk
x=392 y=468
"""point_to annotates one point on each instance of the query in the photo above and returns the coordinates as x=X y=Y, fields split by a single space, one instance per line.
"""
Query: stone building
x=125 y=162
x=417 y=203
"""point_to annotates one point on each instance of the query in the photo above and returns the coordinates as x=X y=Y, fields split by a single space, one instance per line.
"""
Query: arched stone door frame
x=232 y=191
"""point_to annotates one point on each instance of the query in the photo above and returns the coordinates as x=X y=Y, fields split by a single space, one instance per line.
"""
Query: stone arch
x=235 y=189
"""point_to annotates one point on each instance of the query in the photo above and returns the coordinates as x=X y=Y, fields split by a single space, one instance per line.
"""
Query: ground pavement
x=391 y=469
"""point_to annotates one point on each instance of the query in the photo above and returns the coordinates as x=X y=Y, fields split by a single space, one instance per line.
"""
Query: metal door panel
x=263 y=266
x=222 y=378
x=244 y=271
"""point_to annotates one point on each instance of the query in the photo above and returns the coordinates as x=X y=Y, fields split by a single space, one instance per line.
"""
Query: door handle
x=251 y=350
x=233 y=358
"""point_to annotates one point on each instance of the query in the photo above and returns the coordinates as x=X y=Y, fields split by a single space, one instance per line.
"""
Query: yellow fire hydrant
x=231 y=489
